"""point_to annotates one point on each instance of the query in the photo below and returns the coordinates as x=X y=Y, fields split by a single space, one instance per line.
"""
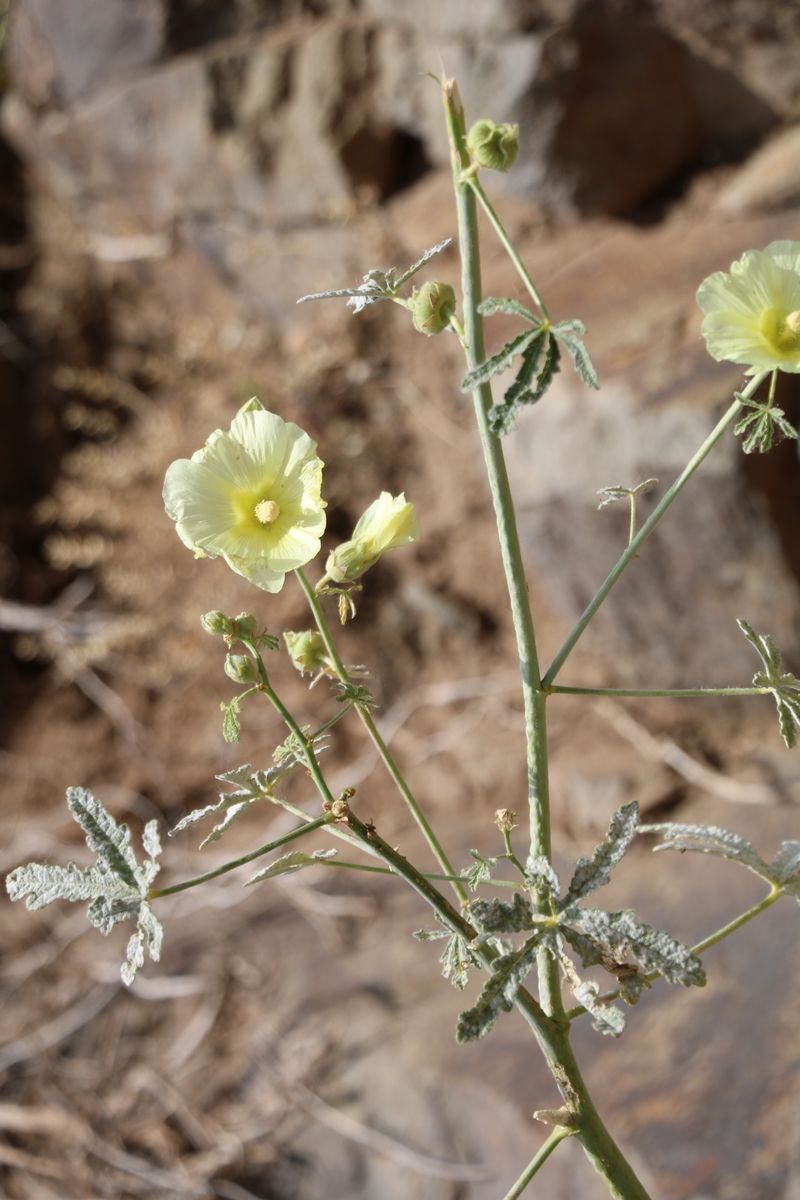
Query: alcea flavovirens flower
x=753 y=314
x=251 y=496
x=389 y=522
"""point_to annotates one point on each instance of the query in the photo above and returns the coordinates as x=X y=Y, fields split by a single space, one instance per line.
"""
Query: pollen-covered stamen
x=792 y=322
x=267 y=511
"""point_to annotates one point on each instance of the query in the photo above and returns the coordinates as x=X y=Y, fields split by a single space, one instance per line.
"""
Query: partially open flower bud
x=217 y=622
x=432 y=307
x=306 y=650
x=494 y=146
x=388 y=522
x=241 y=669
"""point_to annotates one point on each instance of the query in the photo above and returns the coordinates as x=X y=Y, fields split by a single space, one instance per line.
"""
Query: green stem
x=731 y=691
x=156 y=893
x=632 y=533
x=329 y=862
x=473 y=183
x=536 y=1162
x=377 y=740
x=648 y=528
x=546 y=1021
x=774 y=894
x=772 y=383
x=533 y=697
x=510 y=855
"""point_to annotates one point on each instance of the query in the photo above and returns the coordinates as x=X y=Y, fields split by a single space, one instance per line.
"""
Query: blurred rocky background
x=173 y=175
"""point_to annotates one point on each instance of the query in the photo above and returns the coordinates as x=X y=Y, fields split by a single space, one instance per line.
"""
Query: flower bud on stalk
x=241 y=669
x=307 y=650
x=494 y=146
x=217 y=623
x=432 y=307
x=388 y=522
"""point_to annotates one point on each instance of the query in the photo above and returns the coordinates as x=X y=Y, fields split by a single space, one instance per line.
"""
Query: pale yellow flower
x=389 y=521
x=251 y=496
x=753 y=314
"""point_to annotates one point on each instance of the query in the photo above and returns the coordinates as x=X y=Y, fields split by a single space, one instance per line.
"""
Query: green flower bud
x=241 y=669
x=388 y=522
x=432 y=307
x=217 y=622
x=246 y=624
x=494 y=146
x=306 y=650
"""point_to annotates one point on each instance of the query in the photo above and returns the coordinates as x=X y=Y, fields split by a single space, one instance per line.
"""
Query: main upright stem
x=551 y=1027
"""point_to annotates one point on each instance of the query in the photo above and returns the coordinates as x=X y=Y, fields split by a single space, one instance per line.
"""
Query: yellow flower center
x=781 y=330
x=267 y=511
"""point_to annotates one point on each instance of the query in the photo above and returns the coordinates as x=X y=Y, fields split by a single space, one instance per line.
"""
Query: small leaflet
x=480 y=873
x=294 y=861
x=502 y=304
x=116 y=887
x=456 y=958
x=595 y=872
x=500 y=361
x=710 y=839
x=785 y=687
x=762 y=427
x=377 y=285
x=499 y=992
x=503 y=416
x=231 y=725
x=541 y=875
x=569 y=333
x=608 y=1019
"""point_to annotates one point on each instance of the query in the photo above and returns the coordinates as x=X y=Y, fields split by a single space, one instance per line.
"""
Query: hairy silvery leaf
x=502 y=304
x=456 y=959
x=377 y=285
x=480 y=873
x=500 y=361
x=569 y=333
x=523 y=391
x=785 y=687
x=540 y=875
x=592 y=873
x=498 y=993
x=655 y=950
x=231 y=725
x=497 y=916
x=618 y=492
x=251 y=787
x=763 y=426
x=294 y=861
x=710 y=839
x=117 y=886
x=786 y=863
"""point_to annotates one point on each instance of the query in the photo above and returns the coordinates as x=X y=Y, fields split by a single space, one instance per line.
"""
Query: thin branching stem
x=706 y=691
x=472 y=182
x=648 y=527
x=538 y=1160
x=378 y=742
x=157 y=893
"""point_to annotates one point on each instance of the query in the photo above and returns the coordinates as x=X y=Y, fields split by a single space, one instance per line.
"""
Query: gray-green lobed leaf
x=762 y=426
x=522 y=392
x=480 y=872
x=709 y=839
x=785 y=687
x=377 y=285
x=498 y=916
x=595 y=872
x=117 y=886
x=541 y=875
x=289 y=863
x=498 y=992
x=654 y=949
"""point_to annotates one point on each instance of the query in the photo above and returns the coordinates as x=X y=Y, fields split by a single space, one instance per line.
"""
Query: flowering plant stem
x=549 y=1022
x=558 y=1135
x=377 y=740
x=648 y=527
